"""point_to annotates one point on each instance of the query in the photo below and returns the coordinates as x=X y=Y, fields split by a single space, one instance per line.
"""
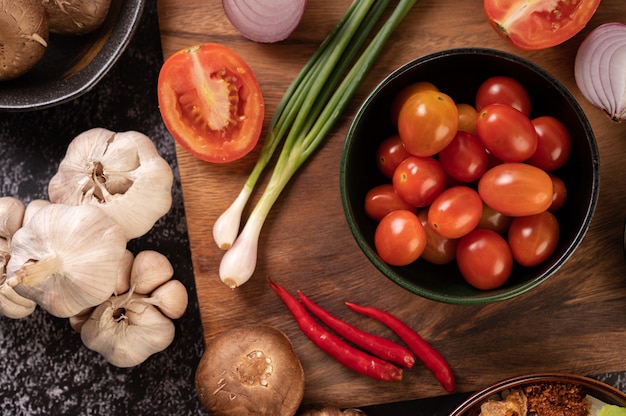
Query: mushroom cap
x=251 y=369
x=76 y=17
x=24 y=33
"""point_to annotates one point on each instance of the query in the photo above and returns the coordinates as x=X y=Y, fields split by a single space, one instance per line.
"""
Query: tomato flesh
x=539 y=24
x=211 y=102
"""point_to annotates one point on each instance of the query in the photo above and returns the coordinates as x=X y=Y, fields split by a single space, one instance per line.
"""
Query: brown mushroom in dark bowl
x=23 y=36
x=251 y=369
x=76 y=17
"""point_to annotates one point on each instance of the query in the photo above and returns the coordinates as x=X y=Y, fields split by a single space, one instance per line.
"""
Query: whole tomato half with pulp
x=211 y=102
x=539 y=24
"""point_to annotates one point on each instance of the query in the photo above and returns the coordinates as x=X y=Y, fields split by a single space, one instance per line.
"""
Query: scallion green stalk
x=323 y=104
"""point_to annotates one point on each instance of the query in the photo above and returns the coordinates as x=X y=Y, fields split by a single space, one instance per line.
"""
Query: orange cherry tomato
x=538 y=24
x=404 y=94
x=467 y=117
x=427 y=122
x=516 y=189
x=211 y=102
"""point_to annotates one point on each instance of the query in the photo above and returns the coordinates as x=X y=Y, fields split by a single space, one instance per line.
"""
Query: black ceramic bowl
x=592 y=387
x=459 y=72
x=72 y=65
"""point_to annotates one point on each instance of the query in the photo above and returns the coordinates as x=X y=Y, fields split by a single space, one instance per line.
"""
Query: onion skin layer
x=600 y=69
x=265 y=21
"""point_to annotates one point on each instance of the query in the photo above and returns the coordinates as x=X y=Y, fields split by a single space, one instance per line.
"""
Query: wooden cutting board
x=575 y=322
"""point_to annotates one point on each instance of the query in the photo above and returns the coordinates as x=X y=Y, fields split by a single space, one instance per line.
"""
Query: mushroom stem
x=34 y=272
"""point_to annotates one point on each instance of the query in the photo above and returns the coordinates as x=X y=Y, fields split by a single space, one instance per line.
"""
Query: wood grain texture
x=575 y=322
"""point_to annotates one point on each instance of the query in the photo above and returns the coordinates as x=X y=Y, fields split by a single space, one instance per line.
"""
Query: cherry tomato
x=455 y=212
x=211 y=102
x=538 y=24
x=400 y=238
x=389 y=154
x=506 y=132
x=465 y=158
x=559 y=194
x=554 y=144
x=427 y=122
x=491 y=219
x=516 y=189
x=467 y=117
x=439 y=249
x=484 y=259
x=533 y=238
x=383 y=199
x=404 y=94
x=418 y=180
x=503 y=90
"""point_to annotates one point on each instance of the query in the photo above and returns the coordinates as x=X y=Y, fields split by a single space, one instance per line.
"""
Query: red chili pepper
x=382 y=347
x=347 y=355
x=431 y=358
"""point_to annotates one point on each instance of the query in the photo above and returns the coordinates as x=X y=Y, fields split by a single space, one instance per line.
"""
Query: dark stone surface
x=45 y=369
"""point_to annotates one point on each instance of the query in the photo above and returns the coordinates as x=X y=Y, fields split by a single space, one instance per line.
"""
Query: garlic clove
x=123 y=277
x=150 y=270
x=11 y=216
x=122 y=173
x=170 y=298
x=77 y=321
x=126 y=331
x=66 y=258
x=13 y=305
x=33 y=207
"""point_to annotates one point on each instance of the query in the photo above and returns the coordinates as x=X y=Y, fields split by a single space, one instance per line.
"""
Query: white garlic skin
x=66 y=258
x=122 y=173
x=126 y=331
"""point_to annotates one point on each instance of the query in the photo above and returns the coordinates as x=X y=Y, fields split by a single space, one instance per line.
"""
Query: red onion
x=265 y=20
x=600 y=69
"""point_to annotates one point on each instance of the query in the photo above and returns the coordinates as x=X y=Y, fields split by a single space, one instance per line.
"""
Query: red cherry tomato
x=211 y=102
x=503 y=90
x=418 y=180
x=389 y=155
x=427 y=122
x=554 y=144
x=559 y=195
x=400 y=238
x=491 y=219
x=465 y=158
x=455 y=212
x=516 y=189
x=533 y=238
x=506 y=132
x=484 y=259
x=439 y=249
x=538 y=24
x=383 y=199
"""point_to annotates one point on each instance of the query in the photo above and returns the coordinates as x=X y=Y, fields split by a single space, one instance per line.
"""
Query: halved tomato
x=539 y=24
x=211 y=102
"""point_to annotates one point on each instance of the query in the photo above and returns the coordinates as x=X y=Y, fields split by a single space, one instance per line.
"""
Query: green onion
x=309 y=110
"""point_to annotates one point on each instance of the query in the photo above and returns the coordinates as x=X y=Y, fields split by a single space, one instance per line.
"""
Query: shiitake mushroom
x=23 y=36
x=250 y=370
x=75 y=17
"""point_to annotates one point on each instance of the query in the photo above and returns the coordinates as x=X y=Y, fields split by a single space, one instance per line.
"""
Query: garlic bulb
x=122 y=173
x=126 y=331
x=66 y=258
x=33 y=207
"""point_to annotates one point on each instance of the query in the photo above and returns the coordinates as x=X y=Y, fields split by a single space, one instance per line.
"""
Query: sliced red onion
x=600 y=69
x=265 y=21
